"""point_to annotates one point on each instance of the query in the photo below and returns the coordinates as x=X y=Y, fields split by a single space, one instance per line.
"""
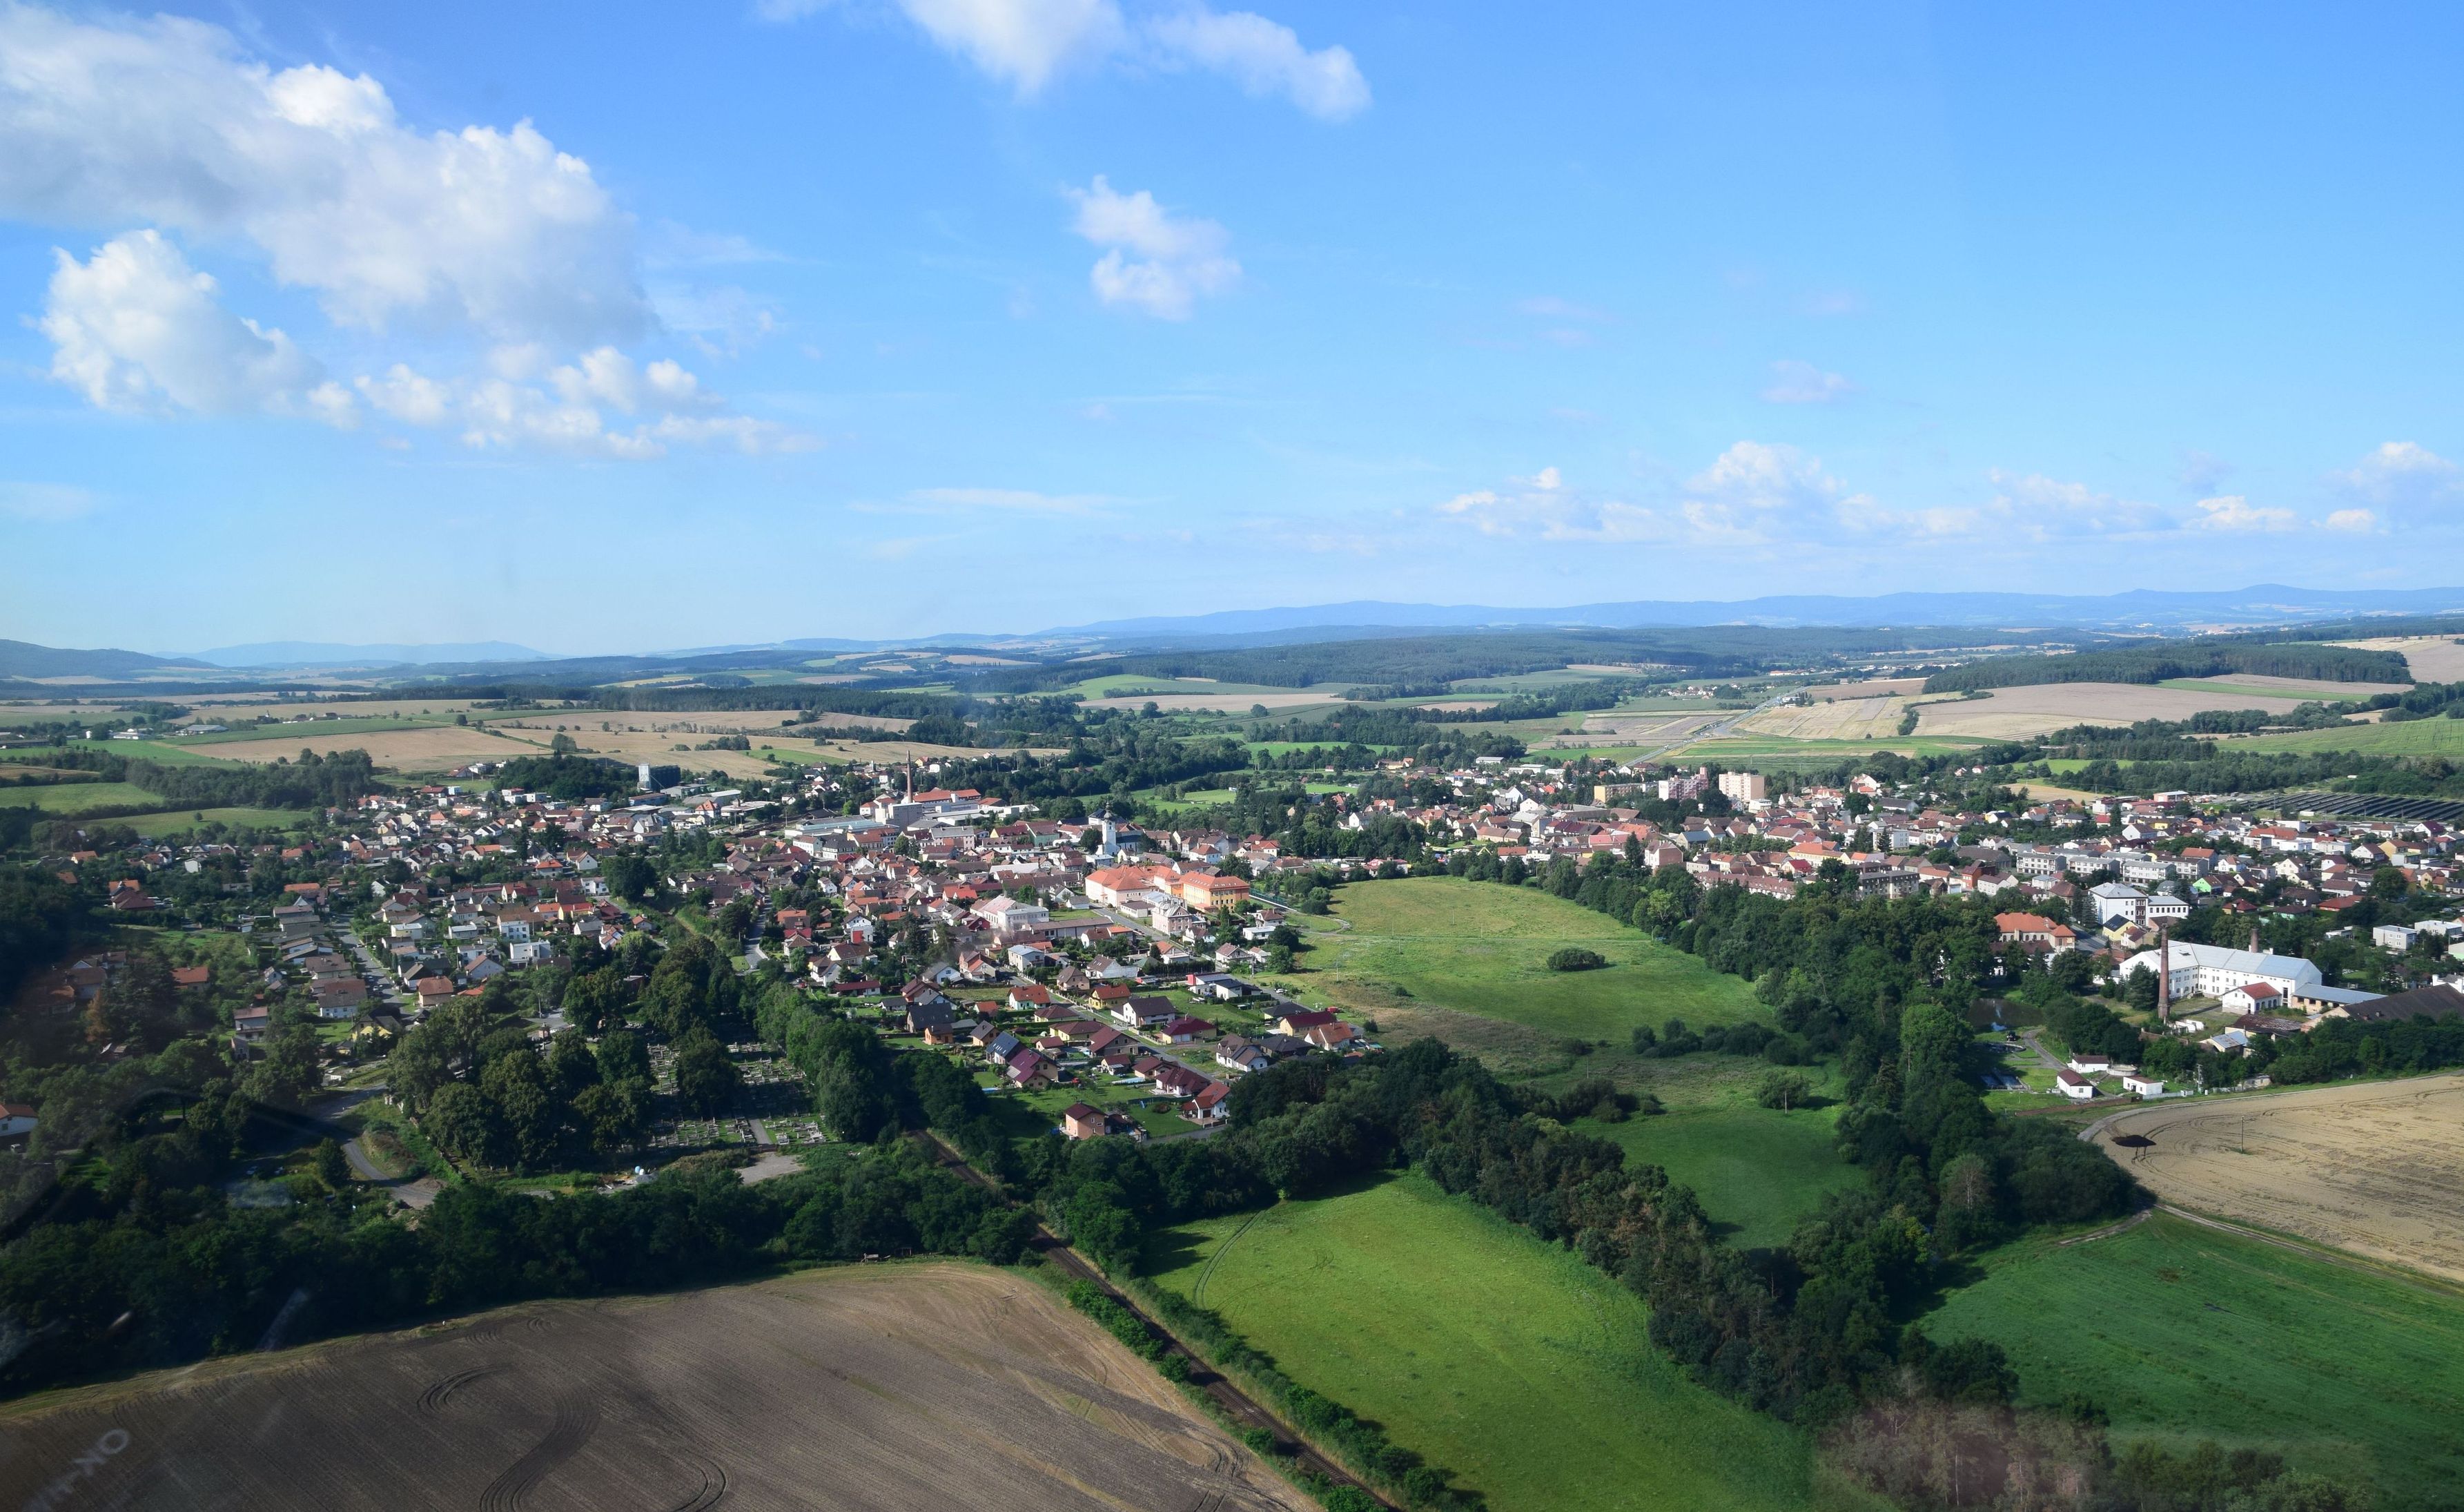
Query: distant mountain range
x=326 y=654
x=20 y=658
x=2142 y=609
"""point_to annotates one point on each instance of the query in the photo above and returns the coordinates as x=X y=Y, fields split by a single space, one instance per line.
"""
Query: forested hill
x=2179 y=658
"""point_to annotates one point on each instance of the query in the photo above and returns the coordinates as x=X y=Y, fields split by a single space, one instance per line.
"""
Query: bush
x=1574 y=958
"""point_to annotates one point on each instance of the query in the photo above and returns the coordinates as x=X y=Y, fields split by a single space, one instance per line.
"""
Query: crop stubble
x=899 y=1388
x=2373 y=1167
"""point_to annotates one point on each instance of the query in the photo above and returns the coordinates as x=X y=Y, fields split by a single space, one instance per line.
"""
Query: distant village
x=1105 y=954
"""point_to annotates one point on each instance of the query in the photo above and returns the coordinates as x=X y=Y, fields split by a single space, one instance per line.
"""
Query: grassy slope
x=167 y=754
x=2441 y=736
x=2186 y=1332
x=1510 y=1362
x=1757 y=1171
x=158 y=824
x=80 y=797
x=1478 y=947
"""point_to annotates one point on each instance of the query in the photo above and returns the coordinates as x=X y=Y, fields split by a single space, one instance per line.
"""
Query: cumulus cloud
x=2351 y=522
x=135 y=330
x=1263 y=57
x=167 y=122
x=1156 y=262
x=2233 y=512
x=1026 y=43
x=2401 y=475
x=2032 y=507
x=566 y=408
x=1754 y=483
x=1796 y=382
x=1544 y=507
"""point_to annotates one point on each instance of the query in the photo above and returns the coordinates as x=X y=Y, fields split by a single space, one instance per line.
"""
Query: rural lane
x=1235 y=1403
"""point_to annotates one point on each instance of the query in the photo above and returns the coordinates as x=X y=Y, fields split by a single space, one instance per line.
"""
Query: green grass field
x=153 y=825
x=284 y=729
x=2439 y=737
x=1758 y=1171
x=169 y=755
x=80 y=797
x=1482 y=948
x=2184 y=1332
x=1509 y=1362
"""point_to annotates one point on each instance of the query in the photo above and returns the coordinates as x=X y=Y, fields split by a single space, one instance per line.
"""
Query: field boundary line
x=2314 y=1250
x=2109 y=1229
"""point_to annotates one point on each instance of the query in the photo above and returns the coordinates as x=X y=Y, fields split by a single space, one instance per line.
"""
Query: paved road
x=389 y=994
x=410 y=1193
x=1236 y=1404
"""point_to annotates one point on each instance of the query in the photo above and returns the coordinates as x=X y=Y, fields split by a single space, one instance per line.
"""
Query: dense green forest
x=2178 y=658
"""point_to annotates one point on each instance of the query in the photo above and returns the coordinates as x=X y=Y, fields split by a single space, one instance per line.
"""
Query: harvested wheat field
x=2431 y=658
x=1216 y=702
x=1650 y=728
x=1831 y=719
x=431 y=748
x=2375 y=1168
x=905 y=1388
x=2016 y=713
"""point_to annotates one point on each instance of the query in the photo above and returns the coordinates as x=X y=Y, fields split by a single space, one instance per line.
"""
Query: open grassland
x=889 y=1388
x=1648 y=727
x=2184 y=1332
x=1510 y=1362
x=2017 y=713
x=1756 y=749
x=155 y=825
x=80 y=797
x=1425 y=953
x=356 y=724
x=2439 y=737
x=219 y=708
x=2431 y=659
x=2376 y=1167
x=1758 y=1171
x=164 y=751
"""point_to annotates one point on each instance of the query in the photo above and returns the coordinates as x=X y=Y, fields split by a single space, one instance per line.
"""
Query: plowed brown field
x=903 y=1388
x=2375 y=1168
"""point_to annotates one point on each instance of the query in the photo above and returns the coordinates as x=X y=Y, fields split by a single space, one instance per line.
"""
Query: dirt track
x=905 y=1388
x=2375 y=1168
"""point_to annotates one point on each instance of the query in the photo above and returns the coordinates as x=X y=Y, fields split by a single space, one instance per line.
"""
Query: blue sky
x=627 y=327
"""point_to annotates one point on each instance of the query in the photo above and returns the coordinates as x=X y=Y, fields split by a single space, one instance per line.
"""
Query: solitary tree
x=1783 y=1089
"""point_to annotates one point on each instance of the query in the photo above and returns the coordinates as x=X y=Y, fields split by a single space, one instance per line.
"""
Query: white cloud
x=2039 y=508
x=45 y=502
x=1795 y=382
x=134 y=328
x=1156 y=262
x=1022 y=42
x=2402 y=474
x=1754 y=481
x=2233 y=512
x=567 y=410
x=1543 y=507
x=1027 y=43
x=165 y=120
x=1264 y=58
x=2353 y=522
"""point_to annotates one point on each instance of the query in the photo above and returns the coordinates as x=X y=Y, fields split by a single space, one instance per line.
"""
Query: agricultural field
x=2184 y=1332
x=1648 y=727
x=353 y=725
x=2250 y=684
x=428 y=747
x=2017 y=713
x=155 y=825
x=163 y=751
x=1758 y=1171
x=1466 y=962
x=1840 y=719
x=880 y=1388
x=2438 y=737
x=1509 y=1362
x=2376 y=1167
x=2431 y=659
x=1757 y=751
x=80 y=797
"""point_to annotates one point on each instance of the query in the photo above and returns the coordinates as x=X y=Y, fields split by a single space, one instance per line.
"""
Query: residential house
x=2070 y=1085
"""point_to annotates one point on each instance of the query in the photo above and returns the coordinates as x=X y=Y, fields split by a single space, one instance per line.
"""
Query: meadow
x=1509 y=1362
x=2186 y=1332
x=2439 y=737
x=1758 y=1171
x=1438 y=946
x=80 y=797
x=153 y=826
